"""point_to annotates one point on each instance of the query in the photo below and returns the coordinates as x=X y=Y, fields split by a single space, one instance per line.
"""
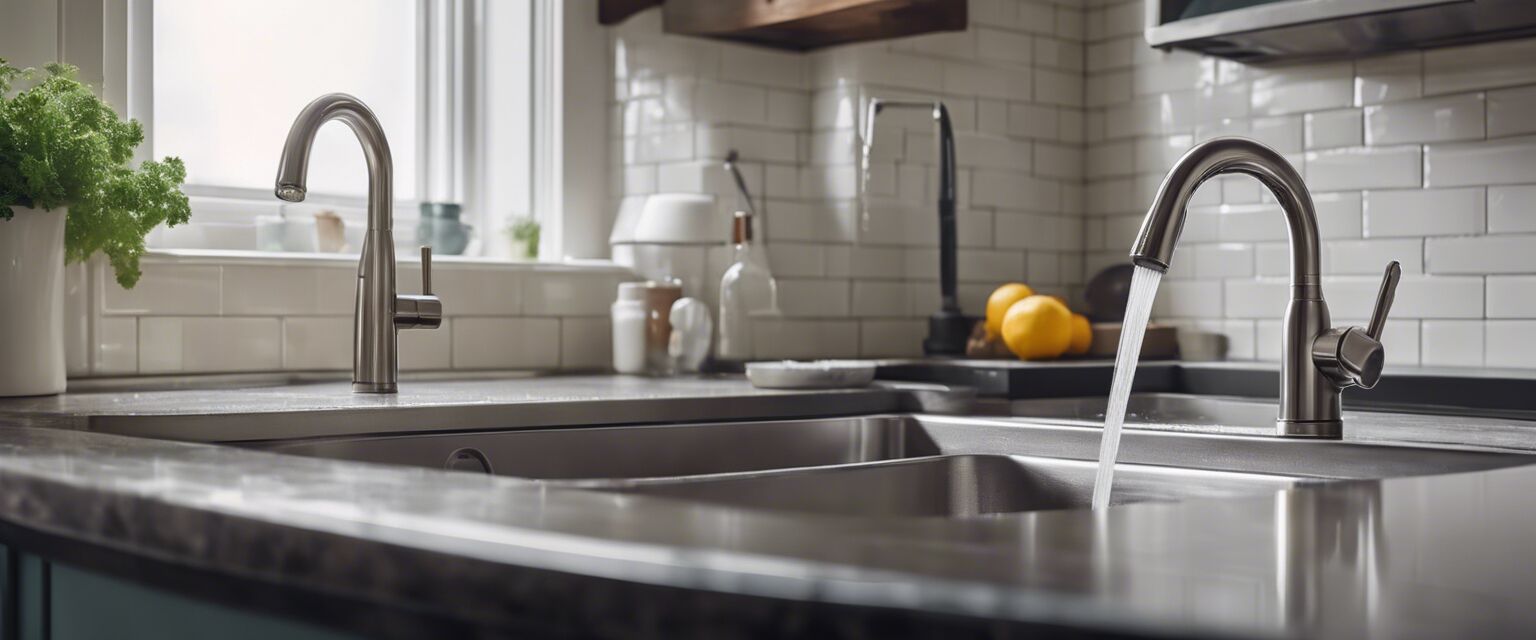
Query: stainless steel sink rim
x=759 y=457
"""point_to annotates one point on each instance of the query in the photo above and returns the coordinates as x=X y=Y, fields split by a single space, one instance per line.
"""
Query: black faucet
x=948 y=328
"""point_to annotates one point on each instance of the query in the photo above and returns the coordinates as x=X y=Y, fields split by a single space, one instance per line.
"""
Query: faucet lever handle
x=1384 y=299
x=426 y=270
x=1353 y=356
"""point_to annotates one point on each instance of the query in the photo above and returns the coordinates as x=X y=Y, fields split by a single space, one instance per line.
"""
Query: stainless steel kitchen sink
x=948 y=486
x=1164 y=410
x=1432 y=426
x=901 y=465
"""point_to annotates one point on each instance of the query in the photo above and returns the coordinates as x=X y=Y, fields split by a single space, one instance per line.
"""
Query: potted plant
x=67 y=192
x=523 y=239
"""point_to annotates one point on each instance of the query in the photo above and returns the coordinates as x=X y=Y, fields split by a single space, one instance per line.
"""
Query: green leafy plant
x=61 y=146
x=526 y=231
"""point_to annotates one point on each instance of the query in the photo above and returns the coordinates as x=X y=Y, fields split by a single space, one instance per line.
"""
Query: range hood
x=1296 y=30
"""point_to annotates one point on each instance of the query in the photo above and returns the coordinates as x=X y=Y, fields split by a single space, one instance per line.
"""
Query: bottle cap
x=741 y=228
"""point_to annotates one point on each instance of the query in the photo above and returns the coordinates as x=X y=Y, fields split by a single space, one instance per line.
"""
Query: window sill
x=271 y=258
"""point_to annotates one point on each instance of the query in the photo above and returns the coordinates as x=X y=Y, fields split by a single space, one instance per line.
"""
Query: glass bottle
x=747 y=292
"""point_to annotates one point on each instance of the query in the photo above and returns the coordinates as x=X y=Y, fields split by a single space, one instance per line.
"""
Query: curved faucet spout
x=379 y=311
x=1165 y=219
x=1317 y=362
x=948 y=328
x=293 y=167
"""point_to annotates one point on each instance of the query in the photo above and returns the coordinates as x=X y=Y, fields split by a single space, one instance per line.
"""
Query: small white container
x=629 y=320
x=32 y=303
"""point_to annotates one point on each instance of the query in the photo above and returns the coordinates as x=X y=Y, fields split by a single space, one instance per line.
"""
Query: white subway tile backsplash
x=1500 y=161
x=807 y=339
x=1338 y=214
x=1330 y=129
x=1010 y=83
x=1403 y=338
x=79 y=311
x=1363 y=168
x=428 y=350
x=116 y=346
x=881 y=299
x=270 y=291
x=212 y=345
x=1065 y=88
x=1389 y=78
x=159 y=345
x=1188 y=299
x=506 y=343
x=1512 y=111
x=318 y=343
x=1223 y=260
x=586 y=344
x=1511 y=297
x=163 y=289
x=1283 y=133
x=1304 y=88
x=569 y=295
x=1479 y=66
x=1173 y=71
x=807 y=298
x=1414 y=156
x=763 y=66
x=1452 y=343
x=1508 y=343
x=1004 y=46
x=1010 y=190
x=1262 y=298
x=1249 y=223
x=892 y=338
x=1424 y=212
x=1481 y=255
x=1110 y=54
x=1512 y=209
x=1364 y=257
x=1459 y=117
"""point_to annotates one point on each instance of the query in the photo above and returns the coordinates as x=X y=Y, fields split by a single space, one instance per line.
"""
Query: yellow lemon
x=997 y=305
x=1082 y=335
x=1038 y=328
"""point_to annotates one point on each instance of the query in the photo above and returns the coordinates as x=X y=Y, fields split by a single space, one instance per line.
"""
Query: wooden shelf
x=798 y=25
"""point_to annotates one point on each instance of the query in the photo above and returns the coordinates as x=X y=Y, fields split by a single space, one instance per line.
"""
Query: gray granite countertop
x=1433 y=556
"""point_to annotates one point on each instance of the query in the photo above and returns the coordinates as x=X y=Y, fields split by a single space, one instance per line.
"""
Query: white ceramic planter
x=32 y=303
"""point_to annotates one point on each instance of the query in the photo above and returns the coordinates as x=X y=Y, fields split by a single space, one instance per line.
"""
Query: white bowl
x=680 y=218
x=818 y=374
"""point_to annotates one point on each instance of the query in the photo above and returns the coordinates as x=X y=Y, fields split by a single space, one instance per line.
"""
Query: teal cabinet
x=43 y=600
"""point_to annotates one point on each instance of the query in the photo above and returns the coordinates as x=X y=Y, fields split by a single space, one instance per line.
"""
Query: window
x=230 y=76
x=219 y=83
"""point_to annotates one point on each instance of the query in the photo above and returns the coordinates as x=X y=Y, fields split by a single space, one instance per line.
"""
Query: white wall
x=1423 y=157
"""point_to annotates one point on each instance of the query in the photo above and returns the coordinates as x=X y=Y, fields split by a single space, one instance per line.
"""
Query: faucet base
x=948 y=332
x=375 y=387
x=1315 y=429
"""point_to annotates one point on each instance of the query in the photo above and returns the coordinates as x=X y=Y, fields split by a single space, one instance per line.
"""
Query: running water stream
x=1132 y=330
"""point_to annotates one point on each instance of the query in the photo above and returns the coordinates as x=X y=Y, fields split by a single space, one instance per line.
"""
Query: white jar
x=629 y=322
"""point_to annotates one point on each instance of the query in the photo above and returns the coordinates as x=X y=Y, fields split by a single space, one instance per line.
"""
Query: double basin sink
x=1040 y=456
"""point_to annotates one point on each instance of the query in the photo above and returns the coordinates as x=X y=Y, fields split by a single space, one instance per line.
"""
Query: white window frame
x=571 y=90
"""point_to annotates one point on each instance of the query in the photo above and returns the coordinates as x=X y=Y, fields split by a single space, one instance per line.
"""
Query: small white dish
x=817 y=374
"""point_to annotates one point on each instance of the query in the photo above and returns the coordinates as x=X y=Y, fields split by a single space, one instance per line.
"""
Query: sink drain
x=468 y=459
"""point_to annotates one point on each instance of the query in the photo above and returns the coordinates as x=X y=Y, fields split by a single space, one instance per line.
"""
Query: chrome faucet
x=948 y=328
x=1317 y=361
x=379 y=312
